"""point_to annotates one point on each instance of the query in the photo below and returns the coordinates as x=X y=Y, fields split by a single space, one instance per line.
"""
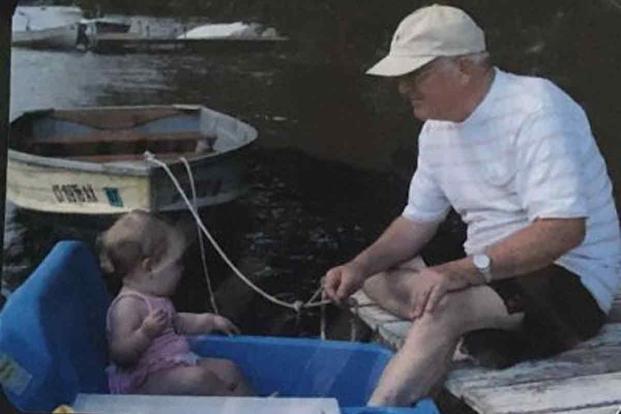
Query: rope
x=294 y=306
x=322 y=322
x=201 y=242
x=353 y=333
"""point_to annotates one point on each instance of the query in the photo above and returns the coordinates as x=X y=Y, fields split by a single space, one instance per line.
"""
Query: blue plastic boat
x=53 y=352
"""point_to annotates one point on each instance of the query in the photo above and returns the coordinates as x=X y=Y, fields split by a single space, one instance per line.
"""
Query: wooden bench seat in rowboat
x=118 y=142
x=583 y=380
x=107 y=158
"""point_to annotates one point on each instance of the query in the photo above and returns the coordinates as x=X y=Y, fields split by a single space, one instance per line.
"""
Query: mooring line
x=297 y=306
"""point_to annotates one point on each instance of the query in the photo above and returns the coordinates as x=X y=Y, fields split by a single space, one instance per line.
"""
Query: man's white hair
x=481 y=58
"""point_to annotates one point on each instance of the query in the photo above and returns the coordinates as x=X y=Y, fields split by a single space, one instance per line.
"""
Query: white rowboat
x=91 y=160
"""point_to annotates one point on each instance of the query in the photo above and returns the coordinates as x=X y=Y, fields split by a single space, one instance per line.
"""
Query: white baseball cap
x=426 y=34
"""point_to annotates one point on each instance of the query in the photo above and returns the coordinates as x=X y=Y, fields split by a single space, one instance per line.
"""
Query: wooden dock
x=133 y=43
x=583 y=380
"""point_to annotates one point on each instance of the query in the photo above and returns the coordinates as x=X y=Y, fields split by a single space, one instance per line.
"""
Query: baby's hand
x=155 y=323
x=222 y=324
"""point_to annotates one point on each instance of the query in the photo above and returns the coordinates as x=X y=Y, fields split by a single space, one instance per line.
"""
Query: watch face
x=481 y=261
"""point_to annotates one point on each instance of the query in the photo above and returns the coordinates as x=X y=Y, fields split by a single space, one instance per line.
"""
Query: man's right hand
x=342 y=281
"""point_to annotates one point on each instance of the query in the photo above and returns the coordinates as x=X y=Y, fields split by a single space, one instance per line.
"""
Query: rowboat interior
x=114 y=135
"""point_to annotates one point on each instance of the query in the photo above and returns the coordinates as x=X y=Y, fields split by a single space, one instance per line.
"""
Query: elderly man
x=515 y=157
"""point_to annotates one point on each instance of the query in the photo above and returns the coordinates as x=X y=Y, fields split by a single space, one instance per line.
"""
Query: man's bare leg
x=391 y=290
x=430 y=344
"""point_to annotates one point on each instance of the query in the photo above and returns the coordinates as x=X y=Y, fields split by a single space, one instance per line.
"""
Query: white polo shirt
x=526 y=152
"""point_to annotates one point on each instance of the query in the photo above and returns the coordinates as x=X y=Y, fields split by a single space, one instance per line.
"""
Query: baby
x=149 y=353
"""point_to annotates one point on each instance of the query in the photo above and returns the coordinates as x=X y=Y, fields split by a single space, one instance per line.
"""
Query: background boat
x=62 y=37
x=60 y=27
x=90 y=29
x=90 y=160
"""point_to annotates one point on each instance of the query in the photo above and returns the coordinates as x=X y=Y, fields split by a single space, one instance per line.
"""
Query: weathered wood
x=390 y=327
x=115 y=118
x=110 y=142
x=574 y=363
x=394 y=332
x=600 y=409
x=362 y=299
x=548 y=396
x=7 y=8
x=615 y=311
x=166 y=156
x=125 y=135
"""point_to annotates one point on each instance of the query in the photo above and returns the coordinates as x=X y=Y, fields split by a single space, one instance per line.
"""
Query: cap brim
x=398 y=65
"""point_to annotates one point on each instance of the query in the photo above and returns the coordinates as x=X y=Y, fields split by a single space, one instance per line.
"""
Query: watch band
x=483 y=264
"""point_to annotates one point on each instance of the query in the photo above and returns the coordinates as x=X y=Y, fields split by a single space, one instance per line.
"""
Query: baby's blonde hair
x=134 y=237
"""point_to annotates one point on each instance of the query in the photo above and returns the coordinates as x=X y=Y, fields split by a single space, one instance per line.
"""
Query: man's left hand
x=431 y=286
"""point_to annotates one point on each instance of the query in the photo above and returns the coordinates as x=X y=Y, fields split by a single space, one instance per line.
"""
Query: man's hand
x=430 y=287
x=155 y=323
x=342 y=281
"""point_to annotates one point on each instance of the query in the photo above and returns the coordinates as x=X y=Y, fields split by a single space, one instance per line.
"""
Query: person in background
x=514 y=156
x=149 y=352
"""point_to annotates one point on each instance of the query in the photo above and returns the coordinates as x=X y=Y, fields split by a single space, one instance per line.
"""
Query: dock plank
x=615 y=311
x=601 y=409
x=394 y=332
x=567 y=365
x=548 y=396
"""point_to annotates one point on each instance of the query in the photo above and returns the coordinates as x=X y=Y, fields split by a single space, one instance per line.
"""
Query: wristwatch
x=484 y=265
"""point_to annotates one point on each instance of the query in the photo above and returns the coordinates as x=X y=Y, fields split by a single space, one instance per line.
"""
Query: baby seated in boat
x=149 y=353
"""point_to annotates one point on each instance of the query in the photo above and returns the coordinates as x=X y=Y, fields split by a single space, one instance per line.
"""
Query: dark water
x=335 y=152
x=318 y=193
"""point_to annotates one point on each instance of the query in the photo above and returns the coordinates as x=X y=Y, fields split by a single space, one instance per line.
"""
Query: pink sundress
x=167 y=351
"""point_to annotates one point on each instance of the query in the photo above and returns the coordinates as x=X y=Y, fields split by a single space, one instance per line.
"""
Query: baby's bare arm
x=128 y=339
x=203 y=323
x=193 y=323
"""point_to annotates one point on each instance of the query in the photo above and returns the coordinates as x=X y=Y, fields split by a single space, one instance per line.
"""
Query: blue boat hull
x=53 y=346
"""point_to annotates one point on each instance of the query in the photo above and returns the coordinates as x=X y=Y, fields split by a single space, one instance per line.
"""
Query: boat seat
x=117 y=118
x=162 y=156
x=52 y=331
x=117 y=142
x=124 y=135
